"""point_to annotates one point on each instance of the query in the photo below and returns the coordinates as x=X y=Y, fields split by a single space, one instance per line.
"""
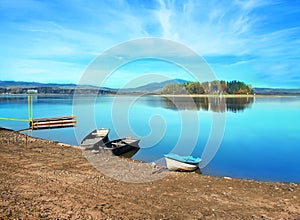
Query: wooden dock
x=57 y=122
x=44 y=123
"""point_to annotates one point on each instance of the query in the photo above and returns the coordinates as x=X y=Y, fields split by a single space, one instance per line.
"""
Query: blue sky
x=256 y=41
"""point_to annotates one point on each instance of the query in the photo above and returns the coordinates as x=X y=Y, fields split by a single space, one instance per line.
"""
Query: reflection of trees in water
x=238 y=104
x=182 y=103
x=215 y=104
x=13 y=99
x=60 y=99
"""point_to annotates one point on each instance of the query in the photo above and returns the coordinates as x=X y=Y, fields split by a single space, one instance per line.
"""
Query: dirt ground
x=41 y=179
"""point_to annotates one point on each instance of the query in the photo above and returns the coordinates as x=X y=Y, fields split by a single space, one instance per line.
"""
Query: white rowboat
x=176 y=162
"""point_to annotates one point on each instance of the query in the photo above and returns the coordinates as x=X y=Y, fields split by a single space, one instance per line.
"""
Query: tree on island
x=236 y=87
x=174 y=88
x=194 y=88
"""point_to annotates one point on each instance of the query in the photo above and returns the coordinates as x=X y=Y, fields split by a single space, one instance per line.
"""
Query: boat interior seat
x=118 y=144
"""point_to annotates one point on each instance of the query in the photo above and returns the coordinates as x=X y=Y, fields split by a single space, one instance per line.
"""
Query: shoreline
x=66 y=145
x=46 y=179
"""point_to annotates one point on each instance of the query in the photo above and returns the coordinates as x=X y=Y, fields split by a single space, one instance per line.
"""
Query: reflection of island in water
x=215 y=104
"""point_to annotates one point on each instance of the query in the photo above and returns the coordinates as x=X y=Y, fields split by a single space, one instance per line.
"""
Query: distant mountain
x=271 y=91
x=20 y=87
x=17 y=87
x=32 y=84
x=151 y=87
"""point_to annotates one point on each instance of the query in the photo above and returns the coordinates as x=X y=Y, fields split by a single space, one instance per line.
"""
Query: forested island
x=214 y=87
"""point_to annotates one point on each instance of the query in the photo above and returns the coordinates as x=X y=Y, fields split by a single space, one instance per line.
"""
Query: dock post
x=30 y=111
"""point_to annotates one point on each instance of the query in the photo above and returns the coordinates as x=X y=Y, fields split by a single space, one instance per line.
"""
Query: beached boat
x=181 y=163
x=96 y=138
x=119 y=146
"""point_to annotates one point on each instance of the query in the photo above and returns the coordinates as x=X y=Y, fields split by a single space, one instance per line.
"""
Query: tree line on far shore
x=214 y=87
x=54 y=90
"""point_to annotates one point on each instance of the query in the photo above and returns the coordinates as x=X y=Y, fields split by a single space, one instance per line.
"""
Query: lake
x=249 y=137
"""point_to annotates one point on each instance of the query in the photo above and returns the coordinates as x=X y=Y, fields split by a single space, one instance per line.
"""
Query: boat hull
x=176 y=165
x=119 y=146
x=94 y=139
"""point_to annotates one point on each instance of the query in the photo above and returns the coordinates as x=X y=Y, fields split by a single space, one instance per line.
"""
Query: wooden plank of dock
x=57 y=122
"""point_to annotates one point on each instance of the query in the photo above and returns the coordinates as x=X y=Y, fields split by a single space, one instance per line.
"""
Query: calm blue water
x=261 y=136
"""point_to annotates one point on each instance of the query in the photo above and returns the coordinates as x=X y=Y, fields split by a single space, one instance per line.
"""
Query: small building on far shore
x=32 y=91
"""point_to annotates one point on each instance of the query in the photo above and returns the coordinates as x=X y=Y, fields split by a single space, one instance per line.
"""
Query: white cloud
x=164 y=16
x=211 y=27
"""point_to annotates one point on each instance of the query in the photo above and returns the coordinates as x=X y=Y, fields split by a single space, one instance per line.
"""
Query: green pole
x=30 y=111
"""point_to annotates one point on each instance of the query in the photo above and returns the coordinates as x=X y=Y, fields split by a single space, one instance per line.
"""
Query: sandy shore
x=43 y=179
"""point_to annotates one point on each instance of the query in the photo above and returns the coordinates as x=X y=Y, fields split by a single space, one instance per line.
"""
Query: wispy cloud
x=211 y=27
